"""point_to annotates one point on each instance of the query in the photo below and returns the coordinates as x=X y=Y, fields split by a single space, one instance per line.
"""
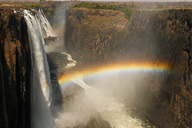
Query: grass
x=32 y=5
x=123 y=8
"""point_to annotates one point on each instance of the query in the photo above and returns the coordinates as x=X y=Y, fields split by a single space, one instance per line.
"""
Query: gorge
x=95 y=68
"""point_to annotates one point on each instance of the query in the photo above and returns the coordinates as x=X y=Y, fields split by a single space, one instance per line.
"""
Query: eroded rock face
x=156 y=36
x=15 y=67
x=57 y=60
x=168 y=33
x=15 y=72
x=94 y=35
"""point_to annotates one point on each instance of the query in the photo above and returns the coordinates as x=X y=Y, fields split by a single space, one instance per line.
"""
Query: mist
x=77 y=109
x=70 y=106
x=111 y=95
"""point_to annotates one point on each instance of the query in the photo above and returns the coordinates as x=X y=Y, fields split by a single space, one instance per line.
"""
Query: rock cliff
x=159 y=36
x=15 y=74
x=94 y=35
x=15 y=67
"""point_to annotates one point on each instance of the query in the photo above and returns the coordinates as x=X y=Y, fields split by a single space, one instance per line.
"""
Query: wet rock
x=57 y=98
x=15 y=59
x=57 y=60
x=49 y=40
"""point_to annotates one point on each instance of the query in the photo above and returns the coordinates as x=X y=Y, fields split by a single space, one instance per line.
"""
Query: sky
x=135 y=0
x=111 y=0
x=140 y=0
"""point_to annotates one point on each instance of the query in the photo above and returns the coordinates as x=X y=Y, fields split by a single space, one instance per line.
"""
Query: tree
x=159 y=6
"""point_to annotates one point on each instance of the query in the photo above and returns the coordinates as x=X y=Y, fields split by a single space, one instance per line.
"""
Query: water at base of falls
x=111 y=110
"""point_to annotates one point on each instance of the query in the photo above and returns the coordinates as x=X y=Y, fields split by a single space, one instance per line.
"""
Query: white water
x=72 y=62
x=37 y=41
x=45 y=26
x=111 y=110
x=40 y=91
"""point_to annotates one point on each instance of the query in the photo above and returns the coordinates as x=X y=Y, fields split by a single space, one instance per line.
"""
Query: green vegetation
x=32 y=5
x=123 y=8
x=41 y=0
x=159 y=6
x=0 y=4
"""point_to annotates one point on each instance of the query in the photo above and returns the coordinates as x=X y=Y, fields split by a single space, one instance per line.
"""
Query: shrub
x=128 y=13
x=123 y=8
x=88 y=5
x=35 y=5
x=159 y=6
x=32 y=5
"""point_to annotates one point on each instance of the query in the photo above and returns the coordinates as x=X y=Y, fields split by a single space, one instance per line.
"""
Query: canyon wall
x=15 y=70
x=158 y=36
x=94 y=35
x=15 y=74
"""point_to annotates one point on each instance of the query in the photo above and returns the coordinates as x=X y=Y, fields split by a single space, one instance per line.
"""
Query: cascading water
x=37 y=41
x=111 y=110
x=45 y=26
x=40 y=90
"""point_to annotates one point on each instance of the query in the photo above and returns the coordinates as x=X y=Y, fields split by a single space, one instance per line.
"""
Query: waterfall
x=40 y=90
x=45 y=26
x=40 y=58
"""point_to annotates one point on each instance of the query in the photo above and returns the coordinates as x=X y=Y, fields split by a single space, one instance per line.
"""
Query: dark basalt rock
x=50 y=39
x=150 y=36
x=15 y=70
x=56 y=60
x=15 y=75
x=57 y=97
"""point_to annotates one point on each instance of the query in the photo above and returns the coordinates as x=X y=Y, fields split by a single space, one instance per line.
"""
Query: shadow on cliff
x=150 y=36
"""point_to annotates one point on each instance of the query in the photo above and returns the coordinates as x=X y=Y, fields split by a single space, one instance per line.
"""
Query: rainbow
x=130 y=67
